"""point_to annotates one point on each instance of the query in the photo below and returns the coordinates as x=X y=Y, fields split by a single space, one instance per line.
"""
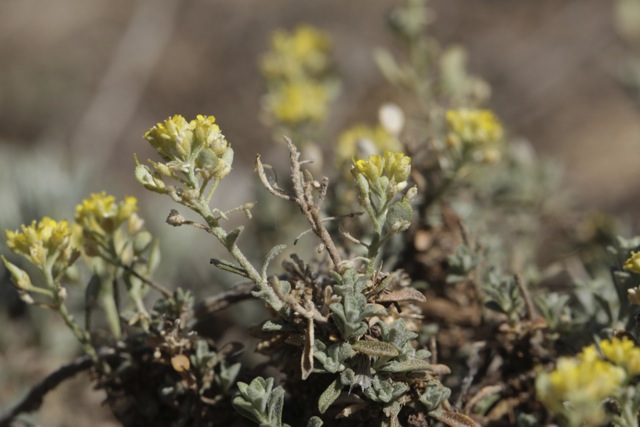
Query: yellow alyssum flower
x=185 y=144
x=371 y=168
x=393 y=167
x=362 y=140
x=633 y=263
x=301 y=53
x=299 y=102
x=622 y=352
x=587 y=379
x=39 y=241
x=474 y=126
x=397 y=166
x=584 y=382
x=172 y=138
x=100 y=214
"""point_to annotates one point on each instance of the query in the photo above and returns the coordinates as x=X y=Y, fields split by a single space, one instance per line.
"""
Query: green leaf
x=375 y=348
x=227 y=266
x=314 y=422
x=274 y=252
x=399 y=216
x=434 y=395
x=329 y=395
x=385 y=390
x=20 y=278
x=275 y=406
x=232 y=237
x=271 y=326
x=408 y=365
x=154 y=257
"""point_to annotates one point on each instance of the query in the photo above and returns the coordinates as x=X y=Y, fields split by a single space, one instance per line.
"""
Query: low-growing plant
x=421 y=304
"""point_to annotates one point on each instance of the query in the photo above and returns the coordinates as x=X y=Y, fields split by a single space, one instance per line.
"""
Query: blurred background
x=80 y=83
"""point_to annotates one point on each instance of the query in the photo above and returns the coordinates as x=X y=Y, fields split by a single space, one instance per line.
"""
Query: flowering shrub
x=421 y=304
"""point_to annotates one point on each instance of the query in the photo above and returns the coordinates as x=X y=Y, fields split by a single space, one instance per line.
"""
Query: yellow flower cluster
x=364 y=140
x=624 y=353
x=199 y=141
x=42 y=241
x=633 y=263
x=477 y=131
x=393 y=168
x=300 y=54
x=587 y=379
x=100 y=214
x=295 y=68
x=299 y=101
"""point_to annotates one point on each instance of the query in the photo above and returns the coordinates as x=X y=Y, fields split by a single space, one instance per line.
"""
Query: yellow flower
x=38 y=242
x=172 y=139
x=362 y=140
x=299 y=102
x=397 y=166
x=303 y=53
x=371 y=168
x=185 y=145
x=386 y=173
x=100 y=214
x=623 y=353
x=633 y=263
x=474 y=126
x=583 y=382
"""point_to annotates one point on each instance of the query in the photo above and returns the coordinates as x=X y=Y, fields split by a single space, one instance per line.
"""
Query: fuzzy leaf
x=332 y=358
x=404 y=294
x=399 y=216
x=19 y=277
x=408 y=365
x=385 y=391
x=375 y=348
x=232 y=237
x=388 y=66
x=271 y=326
x=329 y=395
x=314 y=422
x=453 y=419
x=154 y=257
x=434 y=395
x=276 y=404
x=274 y=252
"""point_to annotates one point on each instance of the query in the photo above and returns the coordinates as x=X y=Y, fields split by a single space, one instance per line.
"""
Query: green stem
x=629 y=416
x=269 y=295
x=107 y=297
x=212 y=190
x=374 y=253
x=81 y=335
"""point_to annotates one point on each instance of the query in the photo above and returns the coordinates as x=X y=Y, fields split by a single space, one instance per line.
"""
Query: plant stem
x=269 y=295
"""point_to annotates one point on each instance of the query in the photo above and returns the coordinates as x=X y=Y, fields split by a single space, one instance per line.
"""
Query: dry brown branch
x=218 y=302
x=304 y=199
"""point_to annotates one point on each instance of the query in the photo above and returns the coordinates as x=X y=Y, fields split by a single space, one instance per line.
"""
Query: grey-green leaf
x=408 y=365
x=329 y=395
x=274 y=252
x=375 y=348
x=314 y=422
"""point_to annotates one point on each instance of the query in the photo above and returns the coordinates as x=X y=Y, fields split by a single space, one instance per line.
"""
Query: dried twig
x=303 y=186
x=219 y=302
x=304 y=199
x=532 y=312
